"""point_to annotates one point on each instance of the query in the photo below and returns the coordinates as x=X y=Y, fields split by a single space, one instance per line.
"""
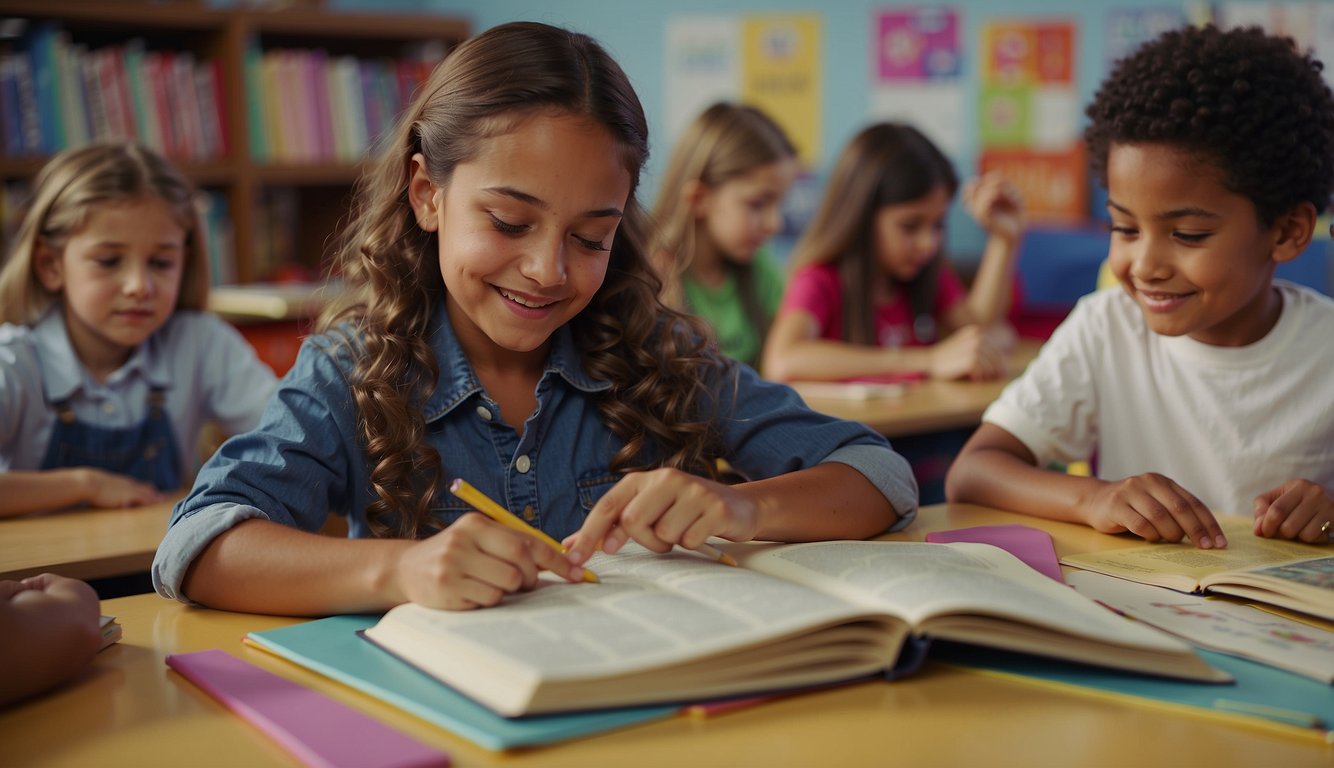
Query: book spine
x=11 y=124
x=42 y=50
x=145 y=119
x=98 y=128
x=27 y=95
x=318 y=84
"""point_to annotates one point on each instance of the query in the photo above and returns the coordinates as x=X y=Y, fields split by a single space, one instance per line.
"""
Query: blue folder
x=1259 y=690
x=333 y=648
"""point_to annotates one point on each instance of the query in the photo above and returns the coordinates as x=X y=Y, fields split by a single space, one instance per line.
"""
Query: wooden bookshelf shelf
x=250 y=183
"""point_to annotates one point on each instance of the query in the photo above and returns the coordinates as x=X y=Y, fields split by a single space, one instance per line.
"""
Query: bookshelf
x=265 y=181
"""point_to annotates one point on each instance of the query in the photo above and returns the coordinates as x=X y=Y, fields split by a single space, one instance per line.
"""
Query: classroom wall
x=634 y=34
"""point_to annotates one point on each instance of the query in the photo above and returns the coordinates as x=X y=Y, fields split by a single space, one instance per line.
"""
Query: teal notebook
x=1297 y=704
x=332 y=648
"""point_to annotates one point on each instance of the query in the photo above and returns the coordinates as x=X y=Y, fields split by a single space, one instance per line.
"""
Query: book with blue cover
x=333 y=648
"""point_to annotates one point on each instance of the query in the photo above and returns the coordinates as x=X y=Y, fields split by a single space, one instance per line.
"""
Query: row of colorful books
x=55 y=94
x=310 y=106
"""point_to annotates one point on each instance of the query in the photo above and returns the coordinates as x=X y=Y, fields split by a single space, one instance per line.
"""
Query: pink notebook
x=1031 y=545
x=316 y=729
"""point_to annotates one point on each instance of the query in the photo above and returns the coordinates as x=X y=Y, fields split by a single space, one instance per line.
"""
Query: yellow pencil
x=713 y=553
x=482 y=503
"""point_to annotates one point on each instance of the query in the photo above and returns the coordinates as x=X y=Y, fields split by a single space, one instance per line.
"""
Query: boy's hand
x=1298 y=509
x=996 y=205
x=474 y=563
x=663 y=507
x=1154 y=508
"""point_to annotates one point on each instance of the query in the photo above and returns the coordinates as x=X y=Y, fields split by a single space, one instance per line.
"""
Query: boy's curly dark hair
x=1243 y=100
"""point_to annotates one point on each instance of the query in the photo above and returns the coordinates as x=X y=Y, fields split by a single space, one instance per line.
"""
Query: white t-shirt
x=1225 y=423
x=208 y=371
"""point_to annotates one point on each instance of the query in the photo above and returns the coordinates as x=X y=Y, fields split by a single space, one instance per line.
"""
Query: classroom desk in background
x=83 y=543
x=94 y=543
x=128 y=709
x=928 y=406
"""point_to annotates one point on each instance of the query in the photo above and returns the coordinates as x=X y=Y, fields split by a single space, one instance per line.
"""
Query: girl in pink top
x=872 y=294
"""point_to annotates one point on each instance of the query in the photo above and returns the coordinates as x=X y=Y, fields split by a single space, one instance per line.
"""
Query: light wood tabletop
x=83 y=543
x=127 y=708
x=926 y=406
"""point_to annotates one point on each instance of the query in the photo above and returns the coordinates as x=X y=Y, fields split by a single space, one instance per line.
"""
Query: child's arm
x=666 y=507
x=996 y=205
x=259 y=566
x=1298 y=509
x=996 y=469
x=23 y=491
x=794 y=351
x=49 y=629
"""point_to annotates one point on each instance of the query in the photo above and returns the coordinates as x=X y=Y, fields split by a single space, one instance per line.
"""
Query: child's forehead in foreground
x=1188 y=173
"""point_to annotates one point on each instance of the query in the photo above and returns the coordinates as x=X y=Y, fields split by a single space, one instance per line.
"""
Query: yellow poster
x=781 y=74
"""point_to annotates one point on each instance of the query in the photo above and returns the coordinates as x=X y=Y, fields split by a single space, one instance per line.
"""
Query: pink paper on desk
x=316 y=729
x=1031 y=545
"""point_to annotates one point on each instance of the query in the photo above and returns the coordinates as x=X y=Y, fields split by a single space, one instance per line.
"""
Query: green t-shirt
x=721 y=308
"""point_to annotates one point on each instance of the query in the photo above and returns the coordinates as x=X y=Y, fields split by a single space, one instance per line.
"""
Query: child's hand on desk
x=107 y=490
x=1154 y=508
x=474 y=563
x=1298 y=509
x=661 y=508
x=969 y=353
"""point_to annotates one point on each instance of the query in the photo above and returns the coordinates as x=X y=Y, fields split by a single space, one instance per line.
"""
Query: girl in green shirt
x=718 y=204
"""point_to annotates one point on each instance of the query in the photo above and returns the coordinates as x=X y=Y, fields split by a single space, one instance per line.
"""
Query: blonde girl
x=720 y=201
x=108 y=367
x=505 y=328
x=872 y=293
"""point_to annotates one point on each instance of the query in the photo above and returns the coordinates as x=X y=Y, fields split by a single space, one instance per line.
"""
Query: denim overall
x=145 y=452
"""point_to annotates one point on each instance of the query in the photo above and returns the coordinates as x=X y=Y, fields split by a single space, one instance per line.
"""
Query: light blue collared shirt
x=305 y=459
x=207 y=371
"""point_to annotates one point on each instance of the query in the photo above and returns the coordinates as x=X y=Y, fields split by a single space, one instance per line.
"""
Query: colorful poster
x=702 y=67
x=1029 y=115
x=917 y=44
x=770 y=61
x=1054 y=183
x=781 y=72
x=916 y=73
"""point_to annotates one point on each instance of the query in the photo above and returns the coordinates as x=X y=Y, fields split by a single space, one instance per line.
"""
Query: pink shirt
x=816 y=289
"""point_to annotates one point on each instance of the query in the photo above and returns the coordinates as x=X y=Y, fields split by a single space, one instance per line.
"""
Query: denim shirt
x=304 y=460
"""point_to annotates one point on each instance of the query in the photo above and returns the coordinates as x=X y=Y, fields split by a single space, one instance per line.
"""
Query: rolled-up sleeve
x=771 y=431
x=300 y=464
x=186 y=539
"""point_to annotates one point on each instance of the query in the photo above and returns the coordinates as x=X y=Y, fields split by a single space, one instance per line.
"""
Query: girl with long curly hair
x=503 y=325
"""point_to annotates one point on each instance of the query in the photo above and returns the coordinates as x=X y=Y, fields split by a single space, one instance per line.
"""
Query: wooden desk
x=83 y=544
x=128 y=709
x=928 y=406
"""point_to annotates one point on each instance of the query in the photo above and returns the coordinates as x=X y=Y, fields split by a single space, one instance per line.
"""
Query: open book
x=679 y=627
x=1285 y=573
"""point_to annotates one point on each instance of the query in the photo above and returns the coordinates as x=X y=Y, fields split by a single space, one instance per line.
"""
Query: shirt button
x=523 y=464
x=528 y=513
x=109 y=407
x=484 y=413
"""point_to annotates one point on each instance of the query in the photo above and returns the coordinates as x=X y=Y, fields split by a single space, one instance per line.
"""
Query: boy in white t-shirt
x=1204 y=387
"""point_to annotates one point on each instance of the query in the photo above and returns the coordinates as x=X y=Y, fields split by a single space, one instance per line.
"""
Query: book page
x=921 y=581
x=648 y=610
x=1304 y=585
x=1240 y=630
x=1183 y=567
